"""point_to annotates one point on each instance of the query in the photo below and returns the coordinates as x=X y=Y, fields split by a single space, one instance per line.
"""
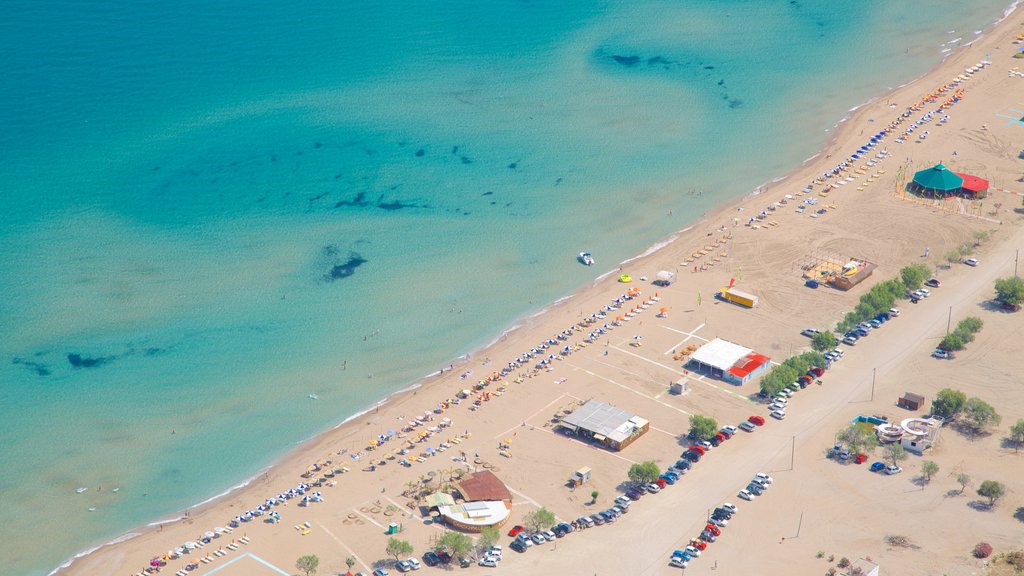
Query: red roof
x=749 y=363
x=973 y=183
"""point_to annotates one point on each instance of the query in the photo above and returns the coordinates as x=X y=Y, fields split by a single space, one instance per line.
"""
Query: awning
x=973 y=183
x=599 y=437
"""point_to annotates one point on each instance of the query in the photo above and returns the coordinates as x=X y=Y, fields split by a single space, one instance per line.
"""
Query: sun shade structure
x=938 y=178
x=973 y=185
x=604 y=423
x=729 y=361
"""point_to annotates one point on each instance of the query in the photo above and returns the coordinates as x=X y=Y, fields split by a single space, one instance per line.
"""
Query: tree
x=963 y=480
x=489 y=536
x=952 y=256
x=593 y=496
x=824 y=341
x=538 y=520
x=948 y=403
x=978 y=415
x=857 y=439
x=702 y=427
x=952 y=342
x=971 y=324
x=992 y=490
x=1016 y=436
x=399 y=548
x=455 y=543
x=895 y=453
x=1010 y=290
x=307 y=564
x=644 y=472
x=929 y=469
x=350 y=562
x=914 y=275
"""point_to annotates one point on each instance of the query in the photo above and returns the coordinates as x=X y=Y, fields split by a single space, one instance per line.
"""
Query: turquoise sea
x=213 y=210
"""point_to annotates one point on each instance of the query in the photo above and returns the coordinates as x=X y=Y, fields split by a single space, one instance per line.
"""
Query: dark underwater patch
x=38 y=368
x=346 y=268
x=79 y=361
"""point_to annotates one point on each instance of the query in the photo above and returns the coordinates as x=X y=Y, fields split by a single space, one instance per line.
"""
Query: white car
x=890 y=470
x=623 y=500
x=778 y=414
x=776 y=406
x=730 y=507
x=403 y=566
x=729 y=429
x=549 y=535
x=693 y=552
x=678 y=562
x=786 y=392
x=809 y=332
x=488 y=562
x=764 y=478
x=720 y=522
x=413 y=563
x=971 y=262
x=538 y=539
x=746 y=494
x=940 y=353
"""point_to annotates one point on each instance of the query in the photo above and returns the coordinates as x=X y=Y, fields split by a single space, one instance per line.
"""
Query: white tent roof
x=719 y=353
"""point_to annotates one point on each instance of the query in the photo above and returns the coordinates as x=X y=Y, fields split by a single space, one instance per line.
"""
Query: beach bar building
x=728 y=361
x=610 y=426
x=853 y=272
x=937 y=181
x=487 y=503
x=973 y=186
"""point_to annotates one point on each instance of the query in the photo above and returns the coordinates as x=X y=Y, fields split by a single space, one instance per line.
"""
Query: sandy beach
x=815 y=504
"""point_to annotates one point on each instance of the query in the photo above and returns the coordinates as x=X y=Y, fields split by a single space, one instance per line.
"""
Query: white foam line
x=118 y=540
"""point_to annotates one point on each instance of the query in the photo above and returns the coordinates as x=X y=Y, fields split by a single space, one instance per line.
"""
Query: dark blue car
x=877 y=467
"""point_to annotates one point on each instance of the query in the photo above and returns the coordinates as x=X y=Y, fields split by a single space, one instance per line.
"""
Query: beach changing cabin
x=731 y=362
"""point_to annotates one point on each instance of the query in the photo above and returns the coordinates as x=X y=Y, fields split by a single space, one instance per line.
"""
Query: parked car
x=754 y=489
x=538 y=538
x=624 y=500
x=764 y=478
x=849 y=341
x=746 y=495
x=971 y=262
x=776 y=406
x=488 y=562
x=413 y=563
x=1007 y=306
x=596 y=519
x=548 y=535
x=894 y=312
x=730 y=507
x=860 y=458
x=728 y=430
x=890 y=470
x=722 y=522
x=940 y=353
x=877 y=467
x=653 y=488
x=517 y=546
x=717 y=440
x=778 y=414
x=839 y=352
x=635 y=494
x=692 y=455
x=756 y=420
x=403 y=566
x=682 y=464
x=933 y=282
x=515 y=530
x=809 y=332
x=693 y=552
x=431 y=558
x=380 y=572
x=875 y=323
x=747 y=425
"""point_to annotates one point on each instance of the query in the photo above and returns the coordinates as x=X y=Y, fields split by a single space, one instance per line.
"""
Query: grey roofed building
x=606 y=424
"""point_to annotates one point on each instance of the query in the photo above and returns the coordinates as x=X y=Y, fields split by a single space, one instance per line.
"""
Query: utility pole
x=949 y=320
x=1015 y=258
x=792 y=453
x=874 y=372
x=800 y=524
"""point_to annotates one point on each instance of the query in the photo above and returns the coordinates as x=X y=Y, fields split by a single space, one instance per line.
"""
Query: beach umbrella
x=209 y=534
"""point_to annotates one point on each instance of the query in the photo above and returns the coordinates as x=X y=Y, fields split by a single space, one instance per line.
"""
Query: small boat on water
x=586 y=258
x=314 y=397
x=80 y=490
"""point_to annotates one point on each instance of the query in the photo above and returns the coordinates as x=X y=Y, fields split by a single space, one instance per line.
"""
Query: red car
x=818 y=372
x=698 y=449
x=515 y=530
x=860 y=459
x=756 y=420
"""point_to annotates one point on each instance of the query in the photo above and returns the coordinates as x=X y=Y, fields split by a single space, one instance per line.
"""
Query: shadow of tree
x=1019 y=514
x=980 y=506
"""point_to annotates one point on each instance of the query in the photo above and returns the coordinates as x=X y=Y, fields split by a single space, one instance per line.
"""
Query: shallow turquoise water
x=182 y=180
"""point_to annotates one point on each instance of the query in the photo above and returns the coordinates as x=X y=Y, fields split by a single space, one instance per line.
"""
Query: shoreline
x=522 y=325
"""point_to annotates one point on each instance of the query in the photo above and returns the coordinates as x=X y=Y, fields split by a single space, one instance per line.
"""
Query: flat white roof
x=605 y=420
x=719 y=353
x=483 y=513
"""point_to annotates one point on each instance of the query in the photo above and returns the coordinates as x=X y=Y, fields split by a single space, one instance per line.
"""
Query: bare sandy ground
x=815 y=503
